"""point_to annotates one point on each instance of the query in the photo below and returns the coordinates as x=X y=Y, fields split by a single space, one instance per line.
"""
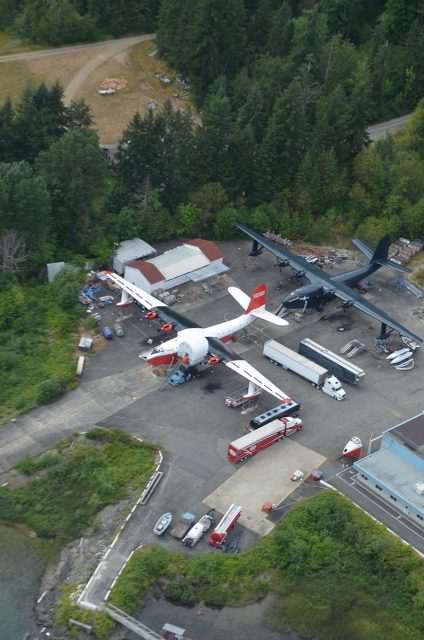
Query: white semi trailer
x=315 y=374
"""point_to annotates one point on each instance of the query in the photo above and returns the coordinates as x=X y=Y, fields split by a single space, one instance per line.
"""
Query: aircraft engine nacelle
x=193 y=346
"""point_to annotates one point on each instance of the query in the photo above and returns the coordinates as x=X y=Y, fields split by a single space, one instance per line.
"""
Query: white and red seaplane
x=196 y=345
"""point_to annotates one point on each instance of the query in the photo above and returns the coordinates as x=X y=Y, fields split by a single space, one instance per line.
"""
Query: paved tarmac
x=191 y=423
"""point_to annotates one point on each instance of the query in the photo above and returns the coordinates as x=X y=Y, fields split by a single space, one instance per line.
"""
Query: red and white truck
x=255 y=441
x=224 y=526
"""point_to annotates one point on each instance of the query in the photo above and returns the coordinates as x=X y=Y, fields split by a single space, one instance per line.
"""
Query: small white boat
x=410 y=343
x=397 y=354
x=353 y=449
x=402 y=358
x=162 y=524
x=407 y=365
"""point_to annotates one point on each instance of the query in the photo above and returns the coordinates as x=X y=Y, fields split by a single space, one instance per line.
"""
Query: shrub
x=180 y=592
x=49 y=390
x=90 y=324
x=216 y=596
x=28 y=465
x=103 y=625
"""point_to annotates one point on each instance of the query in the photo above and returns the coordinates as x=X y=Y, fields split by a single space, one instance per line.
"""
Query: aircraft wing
x=358 y=301
x=233 y=361
x=313 y=273
x=246 y=370
x=136 y=293
x=163 y=312
x=331 y=284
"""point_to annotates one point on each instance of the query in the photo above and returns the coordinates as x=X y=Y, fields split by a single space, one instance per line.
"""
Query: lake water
x=20 y=571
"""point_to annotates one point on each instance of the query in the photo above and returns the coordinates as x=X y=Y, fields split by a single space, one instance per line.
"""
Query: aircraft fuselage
x=315 y=296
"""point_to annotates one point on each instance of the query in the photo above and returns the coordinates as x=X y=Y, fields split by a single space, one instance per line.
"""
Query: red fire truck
x=224 y=526
x=250 y=444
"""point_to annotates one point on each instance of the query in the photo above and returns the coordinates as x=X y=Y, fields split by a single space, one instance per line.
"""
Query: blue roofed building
x=396 y=471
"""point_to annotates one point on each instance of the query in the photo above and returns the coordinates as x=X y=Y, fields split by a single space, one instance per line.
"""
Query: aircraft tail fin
x=382 y=250
x=379 y=256
x=255 y=306
x=258 y=299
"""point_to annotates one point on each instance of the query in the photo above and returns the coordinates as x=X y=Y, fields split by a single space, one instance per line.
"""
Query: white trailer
x=315 y=374
x=338 y=366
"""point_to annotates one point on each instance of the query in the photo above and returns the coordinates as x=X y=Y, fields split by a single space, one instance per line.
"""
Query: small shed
x=130 y=250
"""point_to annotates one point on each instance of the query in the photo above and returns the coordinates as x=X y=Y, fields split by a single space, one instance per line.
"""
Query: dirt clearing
x=82 y=69
x=113 y=113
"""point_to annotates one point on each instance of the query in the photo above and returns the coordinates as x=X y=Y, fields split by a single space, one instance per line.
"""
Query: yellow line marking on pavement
x=70 y=412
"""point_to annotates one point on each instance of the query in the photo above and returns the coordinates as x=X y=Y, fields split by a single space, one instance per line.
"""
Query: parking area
x=265 y=479
x=194 y=427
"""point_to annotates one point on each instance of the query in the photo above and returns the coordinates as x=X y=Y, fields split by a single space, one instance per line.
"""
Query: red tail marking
x=258 y=298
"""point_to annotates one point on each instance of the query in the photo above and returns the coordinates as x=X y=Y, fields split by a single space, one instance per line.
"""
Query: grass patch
x=81 y=476
x=37 y=340
x=334 y=573
x=10 y=44
x=418 y=277
x=14 y=76
x=68 y=609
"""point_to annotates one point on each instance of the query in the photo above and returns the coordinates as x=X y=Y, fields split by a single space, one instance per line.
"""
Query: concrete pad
x=266 y=477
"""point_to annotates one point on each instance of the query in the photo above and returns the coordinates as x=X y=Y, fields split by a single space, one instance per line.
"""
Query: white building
x=194 y=261
x=130 y=250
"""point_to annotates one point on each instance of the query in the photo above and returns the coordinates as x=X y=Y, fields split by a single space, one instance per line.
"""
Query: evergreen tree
x=213 y=39
x=178 y=172
x=209 y=200
x=213 y=141
x=243 y=153
x=9 y=10
x=281 y=31
x=284 y=143
x=78 y=114
x=25 y=206
x=157 y=152
x=40 y=119
x=360 y=110
x=74 y=172
x=260 y=25
x=332 y=124
x=123 y=16
x=7 y=133
x=309 y=37
x=319 y=184
x=55 y=22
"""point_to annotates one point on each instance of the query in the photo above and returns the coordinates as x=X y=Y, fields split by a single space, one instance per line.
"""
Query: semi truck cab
x=332 y=387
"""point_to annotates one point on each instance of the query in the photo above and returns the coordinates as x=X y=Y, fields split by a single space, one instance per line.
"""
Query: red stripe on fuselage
x=163 y=358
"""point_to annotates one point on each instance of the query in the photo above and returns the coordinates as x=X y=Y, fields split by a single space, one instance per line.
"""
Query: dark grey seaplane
x=323 y=288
